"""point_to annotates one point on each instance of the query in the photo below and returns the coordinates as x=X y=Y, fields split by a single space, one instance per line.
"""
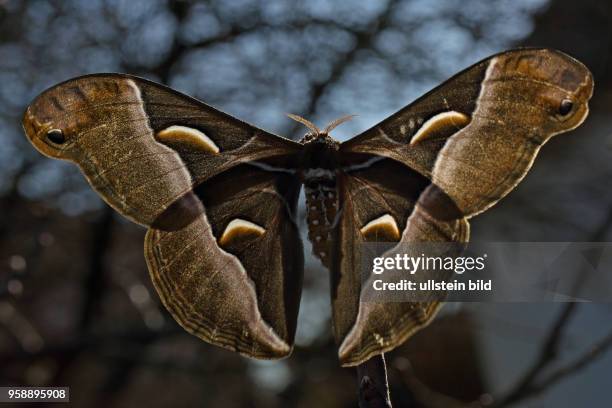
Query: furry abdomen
x=320 y=188
x=319 y=166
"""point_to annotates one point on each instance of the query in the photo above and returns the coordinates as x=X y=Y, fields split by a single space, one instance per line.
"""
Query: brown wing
x=142 y=145
x=144 y=148
x=477 y=134
x=474 y=137
x=379 y=201
x=233 y=276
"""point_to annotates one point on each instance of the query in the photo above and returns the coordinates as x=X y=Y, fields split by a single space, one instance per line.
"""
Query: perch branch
x=373 y=385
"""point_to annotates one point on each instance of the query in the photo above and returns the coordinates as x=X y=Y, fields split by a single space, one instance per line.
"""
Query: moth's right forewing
x=476 y=135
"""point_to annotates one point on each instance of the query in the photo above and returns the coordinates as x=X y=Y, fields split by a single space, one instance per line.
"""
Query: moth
x=219 y=196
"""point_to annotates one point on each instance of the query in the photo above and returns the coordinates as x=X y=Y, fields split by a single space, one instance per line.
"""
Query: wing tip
x=358 y=346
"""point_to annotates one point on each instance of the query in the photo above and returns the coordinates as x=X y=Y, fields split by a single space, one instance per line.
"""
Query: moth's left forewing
x=204 y=132
x=142 y=145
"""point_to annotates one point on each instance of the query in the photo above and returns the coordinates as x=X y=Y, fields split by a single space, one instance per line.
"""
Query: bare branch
x=423 y=395
x=373 y=385
x=548 y=353
x=588 y=357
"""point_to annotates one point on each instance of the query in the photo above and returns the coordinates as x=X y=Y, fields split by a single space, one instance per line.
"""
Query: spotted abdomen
x=321 y=210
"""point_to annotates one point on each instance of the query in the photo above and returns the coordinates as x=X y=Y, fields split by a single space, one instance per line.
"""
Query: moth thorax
x=322 y=138
x=320 y=142
x=309 y=138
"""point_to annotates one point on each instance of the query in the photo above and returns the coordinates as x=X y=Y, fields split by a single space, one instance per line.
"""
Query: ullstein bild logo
x=487 y=271
x=423 y=264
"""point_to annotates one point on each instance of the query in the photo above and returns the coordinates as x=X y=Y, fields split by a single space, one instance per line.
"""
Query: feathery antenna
x=305 y=122
x=315 y=129
x=337 y=123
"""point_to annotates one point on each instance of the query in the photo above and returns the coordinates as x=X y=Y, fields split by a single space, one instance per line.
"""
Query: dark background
x=76 y=305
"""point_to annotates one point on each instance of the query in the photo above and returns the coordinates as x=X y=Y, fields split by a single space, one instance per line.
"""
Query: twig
x=364 y=40
x=588 y=357
x=90 y=341
x=373 y=385
x=423 y=395
x=548 y=353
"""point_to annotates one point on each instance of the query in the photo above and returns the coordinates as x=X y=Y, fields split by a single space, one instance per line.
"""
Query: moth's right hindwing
x=380 y=203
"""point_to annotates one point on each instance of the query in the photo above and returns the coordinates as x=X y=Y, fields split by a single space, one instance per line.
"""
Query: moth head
x=315 y=134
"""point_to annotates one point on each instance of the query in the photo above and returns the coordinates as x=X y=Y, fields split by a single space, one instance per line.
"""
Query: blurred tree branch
x=364 y=39
x=533 y=381
x=549 y=352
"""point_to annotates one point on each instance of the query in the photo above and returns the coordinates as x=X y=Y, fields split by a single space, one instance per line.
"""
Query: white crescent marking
x=239 y=226
x=444 y=119
x=383 y=222
x=189 y=135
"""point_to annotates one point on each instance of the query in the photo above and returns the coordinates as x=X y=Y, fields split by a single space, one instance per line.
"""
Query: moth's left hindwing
x=233 y=276
x=222 y=247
